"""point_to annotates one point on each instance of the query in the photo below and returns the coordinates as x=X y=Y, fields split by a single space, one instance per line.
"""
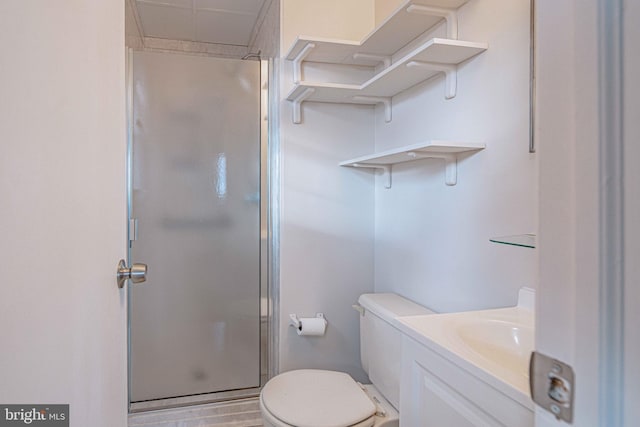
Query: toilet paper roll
x=312 y=327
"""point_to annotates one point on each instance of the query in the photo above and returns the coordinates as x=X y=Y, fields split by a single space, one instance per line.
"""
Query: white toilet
x=319 y=398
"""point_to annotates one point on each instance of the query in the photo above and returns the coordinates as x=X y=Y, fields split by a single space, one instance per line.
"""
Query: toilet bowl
x=322 y=398
x=314 y=398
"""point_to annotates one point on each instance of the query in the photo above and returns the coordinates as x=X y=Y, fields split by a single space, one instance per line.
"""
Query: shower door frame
x=269 y=246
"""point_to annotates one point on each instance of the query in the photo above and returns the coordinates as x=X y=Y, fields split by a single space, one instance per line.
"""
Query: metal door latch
x=552 y=383
x=137 y=273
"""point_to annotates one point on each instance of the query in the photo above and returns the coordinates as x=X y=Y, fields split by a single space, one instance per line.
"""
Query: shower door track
x=269 y=248
x=197 y=399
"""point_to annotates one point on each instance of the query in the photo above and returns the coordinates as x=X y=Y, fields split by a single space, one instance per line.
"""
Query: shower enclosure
x=197 y=209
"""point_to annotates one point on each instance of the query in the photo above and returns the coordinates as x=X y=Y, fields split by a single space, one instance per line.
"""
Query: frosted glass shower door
x=195 y=323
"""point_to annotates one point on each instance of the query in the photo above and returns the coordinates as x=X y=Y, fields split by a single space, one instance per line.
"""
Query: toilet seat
x=317 y=398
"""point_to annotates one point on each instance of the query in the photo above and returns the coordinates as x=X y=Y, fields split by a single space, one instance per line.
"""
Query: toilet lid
x=316 y=398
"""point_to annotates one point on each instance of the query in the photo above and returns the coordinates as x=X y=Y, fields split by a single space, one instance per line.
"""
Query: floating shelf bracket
x=297 y=62
x=384 y=59
x=450 y=72
x=450 y=164
x=297 y=104
x=450 y=15
x=386 y=171
x=385 y=100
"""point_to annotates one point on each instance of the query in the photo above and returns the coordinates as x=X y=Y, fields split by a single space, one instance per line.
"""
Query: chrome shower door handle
x=137 y=273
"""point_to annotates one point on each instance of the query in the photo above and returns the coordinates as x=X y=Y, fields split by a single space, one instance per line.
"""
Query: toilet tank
x=380 y=342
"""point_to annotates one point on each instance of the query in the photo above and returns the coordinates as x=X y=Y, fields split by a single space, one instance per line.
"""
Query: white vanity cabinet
x=439 y=389
x=435 y=392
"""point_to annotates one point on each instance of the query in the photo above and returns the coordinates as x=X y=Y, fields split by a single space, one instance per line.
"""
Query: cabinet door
x=436 y=404
x=436 y=392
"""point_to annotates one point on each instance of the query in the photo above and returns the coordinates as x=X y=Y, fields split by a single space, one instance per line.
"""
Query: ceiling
x=209 y=21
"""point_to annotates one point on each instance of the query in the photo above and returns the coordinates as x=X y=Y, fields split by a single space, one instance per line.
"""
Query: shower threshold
x=198 y=399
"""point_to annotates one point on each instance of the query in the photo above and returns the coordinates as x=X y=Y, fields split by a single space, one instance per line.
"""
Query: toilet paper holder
x=295 y=321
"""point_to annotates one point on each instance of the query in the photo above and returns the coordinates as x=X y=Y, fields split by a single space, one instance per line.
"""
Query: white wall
x=326 y=211
x=326 y=234
x=632 y=207
x=339 y=19
x=63 y=216
x=432 y=240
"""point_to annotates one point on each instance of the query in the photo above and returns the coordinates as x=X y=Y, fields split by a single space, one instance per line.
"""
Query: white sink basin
x=499 y=341
x=495 y=344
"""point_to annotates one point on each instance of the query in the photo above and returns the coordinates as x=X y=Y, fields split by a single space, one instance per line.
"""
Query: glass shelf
x=522 y=240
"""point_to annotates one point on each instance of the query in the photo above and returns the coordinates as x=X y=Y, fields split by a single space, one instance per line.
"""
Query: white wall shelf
x=408 y=21
x=432 y=57
x=446 y=150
